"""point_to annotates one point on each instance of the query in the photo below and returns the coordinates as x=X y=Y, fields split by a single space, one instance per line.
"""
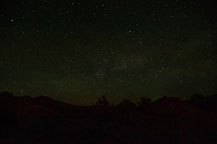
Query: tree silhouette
x=126 y=104
x=102 y=101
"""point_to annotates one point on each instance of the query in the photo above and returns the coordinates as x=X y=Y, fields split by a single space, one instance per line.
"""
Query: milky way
x=76 y=51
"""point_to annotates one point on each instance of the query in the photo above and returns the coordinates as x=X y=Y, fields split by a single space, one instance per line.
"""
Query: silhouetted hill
x=167 y=120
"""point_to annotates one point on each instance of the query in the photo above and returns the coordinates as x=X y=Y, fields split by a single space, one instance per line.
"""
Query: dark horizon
x=42 y=120
x=83 y=102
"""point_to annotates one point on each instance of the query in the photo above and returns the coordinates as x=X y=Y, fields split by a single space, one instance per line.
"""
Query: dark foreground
x=41 y=120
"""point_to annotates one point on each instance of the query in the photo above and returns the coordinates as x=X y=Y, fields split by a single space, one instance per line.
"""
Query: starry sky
x=75 y=51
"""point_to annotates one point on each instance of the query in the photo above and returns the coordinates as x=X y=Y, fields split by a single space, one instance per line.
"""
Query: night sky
x=76 y=51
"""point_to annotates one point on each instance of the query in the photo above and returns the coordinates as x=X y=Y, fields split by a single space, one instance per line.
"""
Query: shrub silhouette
x=126 y=104
x=102 y=101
